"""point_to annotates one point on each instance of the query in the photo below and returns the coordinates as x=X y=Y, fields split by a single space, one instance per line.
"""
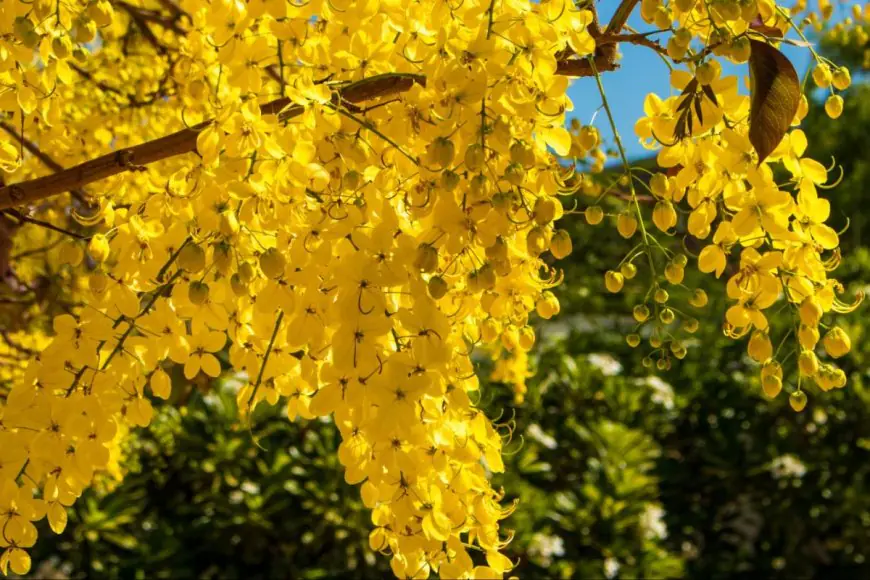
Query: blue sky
x=642 y=72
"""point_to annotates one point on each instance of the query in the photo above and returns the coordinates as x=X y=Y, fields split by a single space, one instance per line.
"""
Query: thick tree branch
x=80 y=195
x=605 y=60
x=605 y=44
x=183 y=141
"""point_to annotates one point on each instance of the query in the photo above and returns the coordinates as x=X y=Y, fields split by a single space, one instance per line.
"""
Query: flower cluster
x=347 y=257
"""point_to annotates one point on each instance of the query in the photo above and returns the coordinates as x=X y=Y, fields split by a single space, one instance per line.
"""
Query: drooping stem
x=265 y=360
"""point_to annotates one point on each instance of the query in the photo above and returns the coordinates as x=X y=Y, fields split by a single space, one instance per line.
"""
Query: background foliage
x=621 y=472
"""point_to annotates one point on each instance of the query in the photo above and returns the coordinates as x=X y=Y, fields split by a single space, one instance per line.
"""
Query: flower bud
x=441 y=152
x=536 y=241
x=771 y=385
x=664 y=215
x=272 y=263
x=594 y=214
x=760 y=348
x=808 y=363
x=613 y=281
x=98 y=248
x=810 y=311
x=560 y=244
x=527 y=338
x=641 y=312
x=808 y=336
x=837 y=342
x=841 y=79
x=238 y=287
x=197 y=293
x=545 y=210
x=628 y=270
x=515 y=174
x=798 y=401
x=427 y=258
x=547 y=305
x=822 y=76
x=698 y=299
x=626 y=224
x=191 y=258
x=834 y=106
x=437 y=287
x=475 y=157
x=661 y=296
x=674 y=273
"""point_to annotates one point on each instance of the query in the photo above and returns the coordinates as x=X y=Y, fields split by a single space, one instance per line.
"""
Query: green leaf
x=775 y=95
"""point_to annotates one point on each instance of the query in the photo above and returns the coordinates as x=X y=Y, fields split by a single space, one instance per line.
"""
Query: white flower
x=535 y=432
x=787 y=466
x=652 y=522
x=544 y=547
x=608 y=365
x=611 y=567
x=663 y=393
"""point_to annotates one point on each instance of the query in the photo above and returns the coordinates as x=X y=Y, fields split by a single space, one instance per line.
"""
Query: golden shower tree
x=342 y=200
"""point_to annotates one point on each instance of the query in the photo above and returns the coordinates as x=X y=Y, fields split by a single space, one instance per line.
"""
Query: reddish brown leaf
x=775 y=94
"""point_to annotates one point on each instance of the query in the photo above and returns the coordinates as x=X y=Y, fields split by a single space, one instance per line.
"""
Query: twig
x=265 y=360
x=160 y=291
x=27 y=219
x=19 y=347
x=638 y=39
x=152 y=16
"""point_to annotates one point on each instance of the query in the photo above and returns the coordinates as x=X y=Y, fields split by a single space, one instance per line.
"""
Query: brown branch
x=276 y=76
x=620 y=17
x=605 y=44
x=605 y=60
x=145 y=15
x=141 y=21
x=638 y=39
x=180 y=142
x=100 y=84
x=132 y=100
x=80 y=195
x=33 y=149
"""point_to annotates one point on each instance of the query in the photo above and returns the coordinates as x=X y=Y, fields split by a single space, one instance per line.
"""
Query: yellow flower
x=203 y=344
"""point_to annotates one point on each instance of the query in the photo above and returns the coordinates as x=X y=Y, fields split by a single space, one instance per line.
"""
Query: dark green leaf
x=775 y=95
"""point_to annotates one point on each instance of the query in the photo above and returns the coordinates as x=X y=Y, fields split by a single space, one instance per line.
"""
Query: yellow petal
x=814 y=170
x=57 y=517
x=161 y=384
x=825 y=236
x=26 y=99
x=191 y=367
x=210 y=365
x=558 y=138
